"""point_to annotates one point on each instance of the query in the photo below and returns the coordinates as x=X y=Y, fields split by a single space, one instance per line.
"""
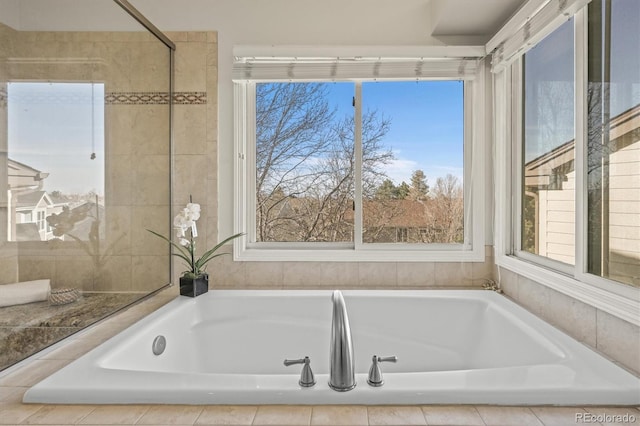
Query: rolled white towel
x=24 y=292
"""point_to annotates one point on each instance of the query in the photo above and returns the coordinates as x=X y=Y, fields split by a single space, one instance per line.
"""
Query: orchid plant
x=186 y=231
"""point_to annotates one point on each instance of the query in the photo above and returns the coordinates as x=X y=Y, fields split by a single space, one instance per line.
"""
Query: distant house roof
x=32 y=199
x=21 y=175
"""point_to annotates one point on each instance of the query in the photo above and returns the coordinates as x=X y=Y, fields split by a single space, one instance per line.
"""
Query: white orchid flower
x=193 y=210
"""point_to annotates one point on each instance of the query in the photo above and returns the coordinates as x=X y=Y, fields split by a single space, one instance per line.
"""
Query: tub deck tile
x=171 y=415
x=16 y=413
x=283 y=415
x=452 y=415
x=59 y=414
x=115 y=415
x=625 y=414
x=339 y=415
x=395 y=415
x=558 y=416
x=508 y=416
x=227 y=415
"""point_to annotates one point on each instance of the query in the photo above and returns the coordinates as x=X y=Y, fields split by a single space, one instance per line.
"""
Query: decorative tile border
x=155 y=98
x=190 y=98
x=121 y=98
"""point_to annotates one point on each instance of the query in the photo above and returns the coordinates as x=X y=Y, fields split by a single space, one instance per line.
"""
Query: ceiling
x=470 y=18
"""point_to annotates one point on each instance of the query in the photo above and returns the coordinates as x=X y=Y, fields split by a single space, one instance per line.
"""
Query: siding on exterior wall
x=624 y=218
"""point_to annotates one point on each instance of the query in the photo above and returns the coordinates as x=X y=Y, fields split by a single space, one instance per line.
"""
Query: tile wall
x=615 y=338
x=134 y=68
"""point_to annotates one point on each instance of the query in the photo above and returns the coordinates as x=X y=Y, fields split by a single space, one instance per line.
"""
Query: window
x=358 y=170
x=577 y=142
x=613 y=141
x=55 y=157
x=548 y=173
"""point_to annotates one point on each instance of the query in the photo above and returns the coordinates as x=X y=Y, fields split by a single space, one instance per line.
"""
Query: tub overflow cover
x=159 y=345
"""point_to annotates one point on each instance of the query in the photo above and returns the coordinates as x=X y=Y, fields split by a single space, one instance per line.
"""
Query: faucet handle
x=375 y=374
x=306 y=376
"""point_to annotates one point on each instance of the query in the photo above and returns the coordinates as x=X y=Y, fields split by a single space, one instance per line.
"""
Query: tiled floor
x=14 y=412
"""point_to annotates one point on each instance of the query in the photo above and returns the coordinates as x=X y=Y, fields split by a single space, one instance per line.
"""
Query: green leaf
x=183 y=253
x=210 y=254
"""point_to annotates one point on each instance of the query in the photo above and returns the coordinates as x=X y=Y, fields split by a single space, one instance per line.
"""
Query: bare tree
x=305 y=163
x=446 y=211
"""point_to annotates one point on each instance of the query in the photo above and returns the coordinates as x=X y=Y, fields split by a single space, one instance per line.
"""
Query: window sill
x=616 y=299
x=397 y=254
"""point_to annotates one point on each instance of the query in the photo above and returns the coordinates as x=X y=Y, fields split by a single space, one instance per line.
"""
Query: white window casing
x=620 y=300
x=533 y=22
x=251 y=69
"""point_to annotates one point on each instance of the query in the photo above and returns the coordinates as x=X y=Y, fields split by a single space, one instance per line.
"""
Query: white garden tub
x=453 y=347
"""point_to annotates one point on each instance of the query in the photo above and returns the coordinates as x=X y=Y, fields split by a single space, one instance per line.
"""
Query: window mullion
x=357 y=119
x=581 y=196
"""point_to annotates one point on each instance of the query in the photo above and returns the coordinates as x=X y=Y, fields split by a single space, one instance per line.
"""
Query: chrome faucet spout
x=342 y=376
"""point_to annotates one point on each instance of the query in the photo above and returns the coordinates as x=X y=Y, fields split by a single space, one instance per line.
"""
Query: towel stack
x=24 y=292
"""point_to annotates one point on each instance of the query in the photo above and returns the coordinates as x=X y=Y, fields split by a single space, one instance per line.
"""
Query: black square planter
x=193 y=287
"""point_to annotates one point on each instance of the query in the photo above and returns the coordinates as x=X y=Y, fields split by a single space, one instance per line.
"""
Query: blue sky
x=51 y=129
x=427 y=123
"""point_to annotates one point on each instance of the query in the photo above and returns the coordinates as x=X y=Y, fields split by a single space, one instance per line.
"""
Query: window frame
x=616 y=298
x=473 y=250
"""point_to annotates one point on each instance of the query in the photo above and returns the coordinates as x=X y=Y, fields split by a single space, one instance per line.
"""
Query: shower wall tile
x=150 y=172
x=119 y=184
x=190 y=129
x=149 y=272
x=144 y=218
x=37 y=268
x=148 y=129
x=191 y=67
x=190 y=178
x=533 y=296
x=9 y=268
x=83 y=272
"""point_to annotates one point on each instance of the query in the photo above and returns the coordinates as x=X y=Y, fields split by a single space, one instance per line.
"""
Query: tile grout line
x=475 y=409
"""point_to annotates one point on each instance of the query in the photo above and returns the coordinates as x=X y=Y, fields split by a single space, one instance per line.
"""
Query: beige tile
x=415 y=274
x=559 y=416
x=264 y=274
x=619 y=340
x=171 y=415
x=376 y=274
x=72 y=349
x=227 y=415
x=11 y=394
x=508 y=416
x=115 y=415
x=576 y=318
x=388 y=415
x=15 y=413
x=282 y=415
x=336 y=415
x=36 y=371
x=453 y=274
x=508 y=282
x=610 y=416
x=455 y=415
x=59 y=414
x=533 y=296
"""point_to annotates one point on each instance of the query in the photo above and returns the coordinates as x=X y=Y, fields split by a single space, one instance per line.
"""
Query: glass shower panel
x=85 y=151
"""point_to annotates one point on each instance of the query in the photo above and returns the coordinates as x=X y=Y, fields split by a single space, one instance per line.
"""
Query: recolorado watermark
x=605 y=418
